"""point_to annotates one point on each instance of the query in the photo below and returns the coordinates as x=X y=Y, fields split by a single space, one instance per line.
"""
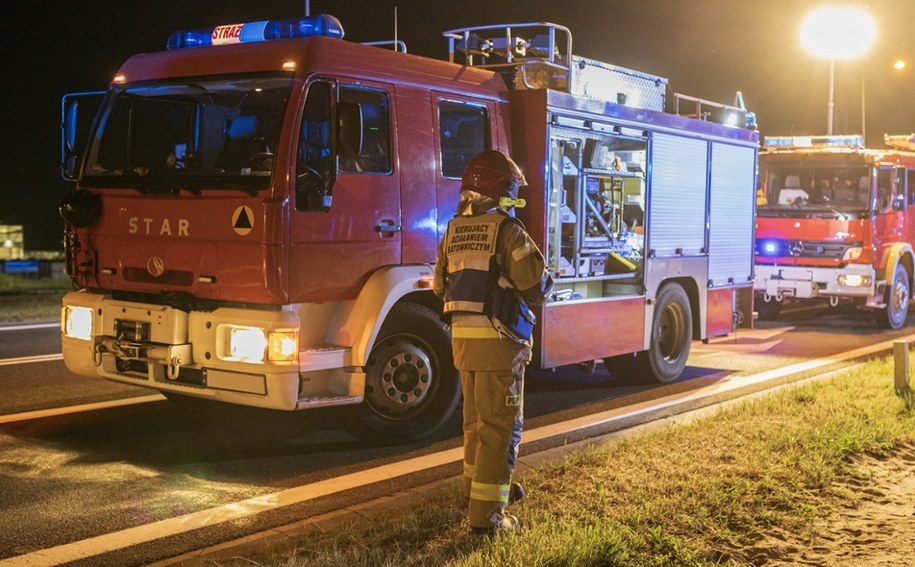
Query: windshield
x=805 y=186
x=190 y=134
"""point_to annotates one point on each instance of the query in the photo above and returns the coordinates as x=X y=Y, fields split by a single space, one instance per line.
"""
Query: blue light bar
x=321 y=25
x=837 y=141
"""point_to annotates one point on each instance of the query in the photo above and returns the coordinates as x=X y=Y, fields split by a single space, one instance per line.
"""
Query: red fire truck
x=836 y=220
x=258 y=208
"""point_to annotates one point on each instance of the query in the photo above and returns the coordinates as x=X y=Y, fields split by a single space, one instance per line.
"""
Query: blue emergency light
x=769 y=247
x=832 y=141
x=321 y=25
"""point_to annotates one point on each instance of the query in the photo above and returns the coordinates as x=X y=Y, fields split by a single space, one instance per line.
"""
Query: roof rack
x=540 y=53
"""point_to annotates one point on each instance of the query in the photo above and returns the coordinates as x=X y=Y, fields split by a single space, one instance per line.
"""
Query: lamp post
x=837 y=33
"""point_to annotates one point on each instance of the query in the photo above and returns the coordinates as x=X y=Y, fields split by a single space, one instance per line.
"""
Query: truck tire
x=671 y=338
x=411 y=385
x=897 y=295
x=767 y=310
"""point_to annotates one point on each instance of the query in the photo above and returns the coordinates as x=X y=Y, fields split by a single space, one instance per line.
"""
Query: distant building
x=12 y=242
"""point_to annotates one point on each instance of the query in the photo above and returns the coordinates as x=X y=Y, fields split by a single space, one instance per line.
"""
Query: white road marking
x=28 y=327
x=30 y=359
x=236 y=510
x=53 y=412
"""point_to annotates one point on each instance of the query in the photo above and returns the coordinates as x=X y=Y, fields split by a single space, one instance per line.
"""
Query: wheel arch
x=900 y=253
x=691 y=287
x=359 y=326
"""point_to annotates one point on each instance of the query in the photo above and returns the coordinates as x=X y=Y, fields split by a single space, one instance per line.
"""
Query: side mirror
x=77 y=113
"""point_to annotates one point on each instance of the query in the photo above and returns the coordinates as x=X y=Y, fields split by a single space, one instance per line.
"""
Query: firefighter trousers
x=493 y=419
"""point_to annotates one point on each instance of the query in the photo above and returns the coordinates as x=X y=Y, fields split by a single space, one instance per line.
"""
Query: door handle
x=387 y=228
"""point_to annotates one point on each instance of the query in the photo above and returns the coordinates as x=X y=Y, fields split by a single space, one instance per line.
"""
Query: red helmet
x=494 y=174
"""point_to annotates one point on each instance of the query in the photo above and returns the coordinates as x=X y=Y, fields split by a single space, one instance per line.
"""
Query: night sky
x=706 y=48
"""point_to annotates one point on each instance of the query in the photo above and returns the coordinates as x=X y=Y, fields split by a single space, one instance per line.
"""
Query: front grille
x=780 y=248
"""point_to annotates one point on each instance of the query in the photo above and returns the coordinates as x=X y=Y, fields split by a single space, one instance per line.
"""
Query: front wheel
x=671 y=338
x=411 y=385
x=897 y=301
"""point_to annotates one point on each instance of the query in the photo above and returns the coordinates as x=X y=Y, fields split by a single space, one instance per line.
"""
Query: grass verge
x=24 y=299
x=692 y=495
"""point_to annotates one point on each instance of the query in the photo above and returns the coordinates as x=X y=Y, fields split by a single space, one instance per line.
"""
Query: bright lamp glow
x=899 y=65
x=282 y=345
x=77 y=322
x=248 y=344
x=838 y=33
x=854 y=280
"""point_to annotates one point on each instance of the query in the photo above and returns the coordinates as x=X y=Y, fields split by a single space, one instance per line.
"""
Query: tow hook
x=174 y=367
x=97 y=350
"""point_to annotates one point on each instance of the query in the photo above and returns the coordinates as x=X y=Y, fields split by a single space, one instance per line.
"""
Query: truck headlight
x=76 y=322
x=854 y=280
x=282 y=345
x=248 y=344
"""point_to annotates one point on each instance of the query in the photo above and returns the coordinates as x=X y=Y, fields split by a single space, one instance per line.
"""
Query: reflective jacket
x=480 y=239
x=470 y=248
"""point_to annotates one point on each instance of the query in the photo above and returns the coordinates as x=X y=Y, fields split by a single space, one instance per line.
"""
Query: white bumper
x=853 y=280
x=189 y=353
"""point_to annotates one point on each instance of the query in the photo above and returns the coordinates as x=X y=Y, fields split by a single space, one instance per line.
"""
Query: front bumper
x=188 y=353
x=807 y=282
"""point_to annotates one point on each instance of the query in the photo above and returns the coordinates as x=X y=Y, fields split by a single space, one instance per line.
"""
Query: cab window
x=372 y=153
x=464 y=132
x=314 y=156
x=885 y=190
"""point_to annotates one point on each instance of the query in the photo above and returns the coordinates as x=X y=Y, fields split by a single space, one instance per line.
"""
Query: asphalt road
x=69 y=481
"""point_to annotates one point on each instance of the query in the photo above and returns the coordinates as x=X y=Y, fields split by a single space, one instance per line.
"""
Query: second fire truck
x=836 y=220
x=259 y=206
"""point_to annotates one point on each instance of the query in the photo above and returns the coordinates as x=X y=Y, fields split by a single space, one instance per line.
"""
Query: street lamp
x=837 y=33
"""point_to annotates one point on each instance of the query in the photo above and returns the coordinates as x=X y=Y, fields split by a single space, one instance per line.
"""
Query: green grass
x=27 y=299
x=693 y=495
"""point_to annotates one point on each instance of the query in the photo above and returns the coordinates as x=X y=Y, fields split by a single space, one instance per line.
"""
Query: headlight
x=282 y=345
x=854 y=280
x=248 y=344
x=852 y=254
x=77 y=322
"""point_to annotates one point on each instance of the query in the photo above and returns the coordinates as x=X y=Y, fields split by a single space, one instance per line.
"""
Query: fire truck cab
x=836 y=220
x=258 y=208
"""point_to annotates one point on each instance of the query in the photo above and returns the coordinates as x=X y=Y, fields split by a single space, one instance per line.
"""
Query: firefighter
x=482 y=247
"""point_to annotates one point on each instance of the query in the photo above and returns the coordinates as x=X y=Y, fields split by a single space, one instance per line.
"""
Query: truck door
x=888 y=211
x=346 y=218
